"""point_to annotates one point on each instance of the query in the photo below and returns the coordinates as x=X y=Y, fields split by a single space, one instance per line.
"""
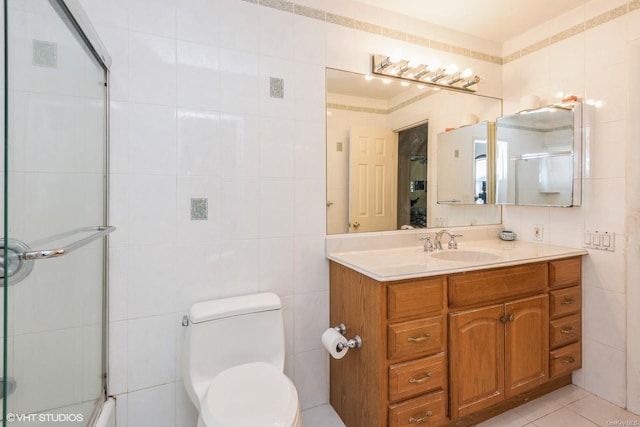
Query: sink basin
x=464 y=255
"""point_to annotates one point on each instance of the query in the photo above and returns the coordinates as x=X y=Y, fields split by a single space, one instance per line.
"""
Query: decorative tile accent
x=340 y=20
x=394 y=34
x=461 y=50
x=486 y=57
x=410 y=101
x=276 y=87
x=310 y=12
x=45 y=54
x=535 y=47
x=357 y=109
x=370 y=28
x=379 y=110
x=199 y=209
x=420 y=40
x=512 y=57
x=577 y=29
x=573 y=31
x=607 y=16
x=283 y=5
x=321 y=15
x=440 y=46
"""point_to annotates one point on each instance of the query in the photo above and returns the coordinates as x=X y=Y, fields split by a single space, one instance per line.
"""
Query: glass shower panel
x=56 y=196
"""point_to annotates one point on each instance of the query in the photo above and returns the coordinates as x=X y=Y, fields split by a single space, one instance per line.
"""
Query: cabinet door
x=477 y=359
x=526 y=344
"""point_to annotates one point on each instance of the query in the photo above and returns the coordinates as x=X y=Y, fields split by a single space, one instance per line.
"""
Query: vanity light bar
x=383 y=65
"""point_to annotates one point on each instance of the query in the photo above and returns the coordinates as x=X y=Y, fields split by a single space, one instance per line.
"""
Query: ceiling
x=500 y=20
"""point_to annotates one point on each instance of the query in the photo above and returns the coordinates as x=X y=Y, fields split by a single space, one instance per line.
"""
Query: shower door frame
x=83 y=27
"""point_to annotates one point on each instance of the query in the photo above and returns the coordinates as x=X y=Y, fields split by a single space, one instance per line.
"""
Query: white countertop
x=411 y=262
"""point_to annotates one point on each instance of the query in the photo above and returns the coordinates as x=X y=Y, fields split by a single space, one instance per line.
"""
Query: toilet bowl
x=253 y=394
x=233 y=363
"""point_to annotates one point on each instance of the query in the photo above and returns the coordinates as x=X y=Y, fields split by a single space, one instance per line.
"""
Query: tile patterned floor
x=569 y=406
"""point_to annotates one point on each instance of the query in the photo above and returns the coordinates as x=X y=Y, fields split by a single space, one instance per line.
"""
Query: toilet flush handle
x=185 y=320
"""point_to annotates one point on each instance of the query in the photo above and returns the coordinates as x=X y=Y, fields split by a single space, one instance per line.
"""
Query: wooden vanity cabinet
x=453 y=349
x=399 y=376
x=565 y=314
x=508 y=341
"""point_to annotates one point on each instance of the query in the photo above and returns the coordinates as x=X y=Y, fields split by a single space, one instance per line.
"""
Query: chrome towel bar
x=20 y=256
x=100 y=231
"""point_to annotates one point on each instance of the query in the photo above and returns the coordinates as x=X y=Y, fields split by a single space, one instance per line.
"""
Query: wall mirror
x=381 y=154
x=539 y=156
x=465 y=164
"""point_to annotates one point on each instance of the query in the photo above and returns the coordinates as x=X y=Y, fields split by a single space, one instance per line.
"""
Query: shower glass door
x=55 y=186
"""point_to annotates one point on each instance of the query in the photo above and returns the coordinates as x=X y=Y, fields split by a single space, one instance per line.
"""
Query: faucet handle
x=428 y=247
x=452 y=242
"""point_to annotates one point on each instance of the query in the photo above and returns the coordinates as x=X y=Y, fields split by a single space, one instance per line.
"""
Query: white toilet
x=233 y=363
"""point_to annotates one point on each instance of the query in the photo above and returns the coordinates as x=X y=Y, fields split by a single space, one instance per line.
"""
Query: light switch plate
x=600 y=240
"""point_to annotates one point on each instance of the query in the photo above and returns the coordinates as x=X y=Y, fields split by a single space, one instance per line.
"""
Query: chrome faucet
x=452 y=239
x=428 y=246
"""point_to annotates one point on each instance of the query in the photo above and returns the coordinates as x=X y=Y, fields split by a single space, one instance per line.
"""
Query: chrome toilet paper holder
x=355 y=342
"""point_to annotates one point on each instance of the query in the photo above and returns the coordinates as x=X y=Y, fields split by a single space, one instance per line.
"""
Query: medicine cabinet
x=465 y=165
x=538 y=156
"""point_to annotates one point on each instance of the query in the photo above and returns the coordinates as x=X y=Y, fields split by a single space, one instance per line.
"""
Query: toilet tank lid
x=234 y=306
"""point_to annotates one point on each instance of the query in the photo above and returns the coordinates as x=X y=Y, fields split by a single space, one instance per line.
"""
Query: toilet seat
x=254 y=394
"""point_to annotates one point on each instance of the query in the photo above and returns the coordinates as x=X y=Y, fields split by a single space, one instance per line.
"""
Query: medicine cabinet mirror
x=398 y=125
x=465 y=164
x=539 y=156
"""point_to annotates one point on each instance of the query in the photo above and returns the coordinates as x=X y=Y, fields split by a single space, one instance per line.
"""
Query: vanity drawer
x=565 y=272
x=482 y=287
x=425 y=410
x=415 y=337
x=564 y=360
x=564 y=330
x=416 y=377
x=564 y=301
x=415 y=298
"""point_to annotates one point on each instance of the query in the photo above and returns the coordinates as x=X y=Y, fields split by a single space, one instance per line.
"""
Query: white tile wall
x=152 y=69
x=576 y=65
x=191 y=100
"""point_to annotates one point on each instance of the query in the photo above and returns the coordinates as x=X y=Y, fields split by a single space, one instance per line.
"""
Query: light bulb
x=450 y=69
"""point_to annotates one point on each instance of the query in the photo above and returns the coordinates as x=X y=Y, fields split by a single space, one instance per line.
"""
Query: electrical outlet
x=537 y=232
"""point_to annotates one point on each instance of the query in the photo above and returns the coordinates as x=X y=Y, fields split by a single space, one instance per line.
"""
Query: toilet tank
x=229 y=332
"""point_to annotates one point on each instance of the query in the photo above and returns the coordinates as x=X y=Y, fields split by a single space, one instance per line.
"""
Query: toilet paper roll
x=330 y=340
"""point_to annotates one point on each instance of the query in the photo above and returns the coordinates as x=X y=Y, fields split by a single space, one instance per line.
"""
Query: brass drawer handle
x=569 y=361
x=568 y=301
x=419 y=339
x=420 y=380
x=567 y=331
x=414 y=420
